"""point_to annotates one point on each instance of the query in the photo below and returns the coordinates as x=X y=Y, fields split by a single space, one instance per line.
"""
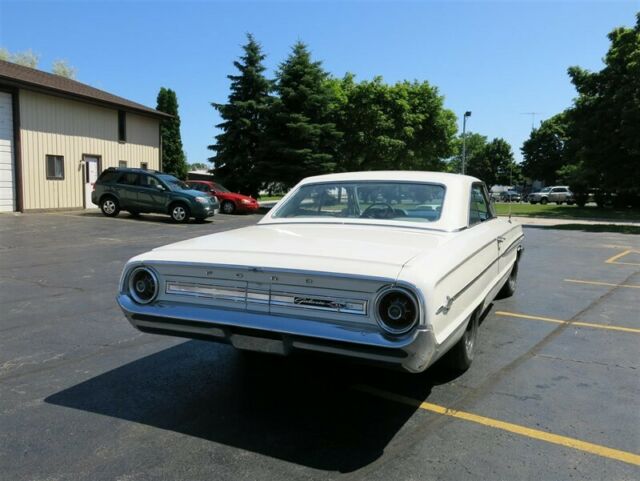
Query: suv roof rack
x=136 y=169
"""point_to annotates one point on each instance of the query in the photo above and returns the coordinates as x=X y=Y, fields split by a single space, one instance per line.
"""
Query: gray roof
x=32 y=79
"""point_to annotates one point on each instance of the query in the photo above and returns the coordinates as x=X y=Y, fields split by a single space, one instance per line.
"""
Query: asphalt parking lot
x=553 y=393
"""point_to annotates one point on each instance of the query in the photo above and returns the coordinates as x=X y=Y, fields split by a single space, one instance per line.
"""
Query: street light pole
x=464 y=139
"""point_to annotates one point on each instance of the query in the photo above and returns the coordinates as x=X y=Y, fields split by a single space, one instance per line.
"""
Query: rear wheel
x=228 y=207
x=460 y=357
x=109 y=206
x=179 y=213
x=509 y=287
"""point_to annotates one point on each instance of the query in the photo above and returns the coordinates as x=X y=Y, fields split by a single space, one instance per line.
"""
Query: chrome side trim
x=450 y=300
x=473 y=254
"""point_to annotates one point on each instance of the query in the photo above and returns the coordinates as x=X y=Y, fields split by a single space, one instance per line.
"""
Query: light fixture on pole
x=464 y=138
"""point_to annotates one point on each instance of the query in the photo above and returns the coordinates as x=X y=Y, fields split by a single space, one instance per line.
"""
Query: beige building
x=57 y=135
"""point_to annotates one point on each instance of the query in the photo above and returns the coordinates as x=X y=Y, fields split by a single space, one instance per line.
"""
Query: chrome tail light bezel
x=412 y=298
x=130 y=288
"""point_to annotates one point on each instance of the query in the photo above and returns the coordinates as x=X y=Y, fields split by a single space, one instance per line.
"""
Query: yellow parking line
x=614 y=259
x=573 y=323
x=568 y=442
x=599 y=283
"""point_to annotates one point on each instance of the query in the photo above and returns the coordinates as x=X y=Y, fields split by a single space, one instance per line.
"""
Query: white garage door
x=7 y=179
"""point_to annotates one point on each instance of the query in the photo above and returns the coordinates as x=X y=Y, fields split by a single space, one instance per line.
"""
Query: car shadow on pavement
x=301 y=409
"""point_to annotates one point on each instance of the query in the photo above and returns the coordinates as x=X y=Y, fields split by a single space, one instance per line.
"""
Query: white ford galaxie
x=391 y=267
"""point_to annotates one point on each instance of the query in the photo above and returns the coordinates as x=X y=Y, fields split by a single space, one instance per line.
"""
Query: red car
x=230 y=202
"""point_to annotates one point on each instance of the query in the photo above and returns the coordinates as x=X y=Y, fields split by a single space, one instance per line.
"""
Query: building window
x=122 y=164
x=122 y=126
x=144 y=165
x=55 y=167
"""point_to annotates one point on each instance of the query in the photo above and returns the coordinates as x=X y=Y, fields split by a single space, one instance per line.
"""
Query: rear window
x=400 y=201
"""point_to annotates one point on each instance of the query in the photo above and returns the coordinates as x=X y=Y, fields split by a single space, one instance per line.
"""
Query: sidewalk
x=548 y=221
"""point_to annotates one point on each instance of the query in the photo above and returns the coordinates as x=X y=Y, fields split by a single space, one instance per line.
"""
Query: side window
x=107 y=177
x=149 y=182
x=479 y=209
x=128 y=178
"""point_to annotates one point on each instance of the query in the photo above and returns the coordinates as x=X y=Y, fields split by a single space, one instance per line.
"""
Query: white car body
x=314 y=283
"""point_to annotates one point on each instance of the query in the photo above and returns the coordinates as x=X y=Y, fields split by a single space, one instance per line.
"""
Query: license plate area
x=259 y=344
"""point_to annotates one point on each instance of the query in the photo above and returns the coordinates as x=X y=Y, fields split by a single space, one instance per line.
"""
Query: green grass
x=616 y=228
x=265 y=198
x=567 y=211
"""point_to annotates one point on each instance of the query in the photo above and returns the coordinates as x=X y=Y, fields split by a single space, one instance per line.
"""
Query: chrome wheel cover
x=109 y=206
x=178 y=213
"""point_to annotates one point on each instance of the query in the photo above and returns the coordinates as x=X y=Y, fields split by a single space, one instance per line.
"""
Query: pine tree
x=238 y=149
x=173 y=158
x=302 y=139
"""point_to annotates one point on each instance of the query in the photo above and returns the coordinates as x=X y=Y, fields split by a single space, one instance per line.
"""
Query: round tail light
x=143 y=285
x=397 y=310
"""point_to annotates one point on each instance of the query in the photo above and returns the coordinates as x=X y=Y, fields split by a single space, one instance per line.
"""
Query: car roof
x=133 y=170
x=394 y=175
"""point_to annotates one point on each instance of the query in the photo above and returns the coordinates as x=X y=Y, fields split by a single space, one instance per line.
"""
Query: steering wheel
x=372 y=212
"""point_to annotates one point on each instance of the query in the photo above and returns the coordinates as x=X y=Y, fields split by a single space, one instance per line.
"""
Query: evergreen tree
x=302 y=139
x=238 y=148
x=173 y=158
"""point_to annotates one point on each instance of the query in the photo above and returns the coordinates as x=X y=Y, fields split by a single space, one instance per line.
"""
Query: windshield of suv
x=174 y=183
x=546 y=189
x=403 y=201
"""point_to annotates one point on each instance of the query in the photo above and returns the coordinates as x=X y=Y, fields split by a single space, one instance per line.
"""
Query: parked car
x=558 y=194
x=230 y=202
x=145 y=191
x=510 y=196
x=400 y=282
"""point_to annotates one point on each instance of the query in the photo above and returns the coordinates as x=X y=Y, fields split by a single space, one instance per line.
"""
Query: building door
x=7 y=175
x=91 y=171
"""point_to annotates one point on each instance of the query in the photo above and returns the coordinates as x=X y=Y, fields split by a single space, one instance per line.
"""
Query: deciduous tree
x=546 y=149
x=401 y=126
x=605 y=118
x=62 y=68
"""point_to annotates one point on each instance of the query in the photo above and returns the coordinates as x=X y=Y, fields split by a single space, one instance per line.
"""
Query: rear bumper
x=281 y=335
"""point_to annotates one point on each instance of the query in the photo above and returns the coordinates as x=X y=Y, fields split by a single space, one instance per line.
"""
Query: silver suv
x=557 y=193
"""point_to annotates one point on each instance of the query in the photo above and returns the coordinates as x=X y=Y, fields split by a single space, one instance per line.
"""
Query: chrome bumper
x=279 y=334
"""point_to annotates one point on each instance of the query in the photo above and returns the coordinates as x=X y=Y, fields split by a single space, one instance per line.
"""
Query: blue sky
x=497 y=59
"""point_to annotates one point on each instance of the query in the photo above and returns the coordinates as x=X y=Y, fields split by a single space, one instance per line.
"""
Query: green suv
x=139 y=191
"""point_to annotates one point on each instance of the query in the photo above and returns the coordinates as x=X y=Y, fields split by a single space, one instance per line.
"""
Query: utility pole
x=533 y=117
x=464 y=139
